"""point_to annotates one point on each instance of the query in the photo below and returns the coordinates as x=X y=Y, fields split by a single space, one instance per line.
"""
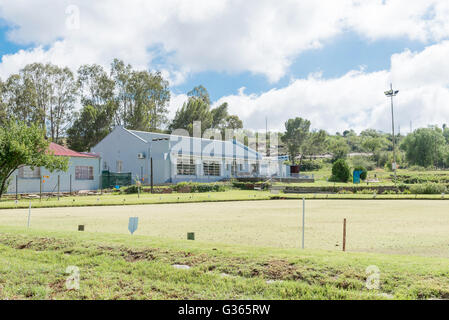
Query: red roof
x=63 y=151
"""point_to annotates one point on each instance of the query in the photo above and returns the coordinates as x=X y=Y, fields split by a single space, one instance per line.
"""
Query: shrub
x=428 y=188
x=250 y=185
x=311 y=165
x=132 y=189
x=366 y=191
x=340 y=171
x=364 y=173
x=199 y=187
x=343 y=191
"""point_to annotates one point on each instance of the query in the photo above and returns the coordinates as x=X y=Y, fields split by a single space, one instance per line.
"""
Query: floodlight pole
x=391 y=94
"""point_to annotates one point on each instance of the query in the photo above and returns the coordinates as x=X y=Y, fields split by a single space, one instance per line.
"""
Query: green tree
x=295 y=137
x=38 y=78
x=96 y=118
x=192 y=110
x=424 y=147
x=222 y=120
x=3 y=105
x=197 y=108
x=142 y=97
x=43 y=94
x=18 y=97
x=22 y=145
x=340 y=171
x=338 y=147
x=233 y=122
x=315 y=143
x=91 y=126
x=64 y=95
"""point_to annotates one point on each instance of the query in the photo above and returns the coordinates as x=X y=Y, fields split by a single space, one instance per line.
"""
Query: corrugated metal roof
x=59 y=150
x=217 y=148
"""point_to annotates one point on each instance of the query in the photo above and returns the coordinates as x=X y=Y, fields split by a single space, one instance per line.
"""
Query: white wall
x=51 y=183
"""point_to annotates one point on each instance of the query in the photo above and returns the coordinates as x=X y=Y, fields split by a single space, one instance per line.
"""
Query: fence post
x=152 y=175
x=303 y=219
x=17 y=187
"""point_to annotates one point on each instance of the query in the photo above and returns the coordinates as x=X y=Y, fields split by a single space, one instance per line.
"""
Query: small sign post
x=29 y=215
x=132 y=225
x=344 y=234
x=303 y=219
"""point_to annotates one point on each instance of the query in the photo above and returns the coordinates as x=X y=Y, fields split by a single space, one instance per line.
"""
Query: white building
x=180 y=158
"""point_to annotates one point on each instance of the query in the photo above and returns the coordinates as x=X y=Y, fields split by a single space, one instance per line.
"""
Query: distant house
x=180 y=158
x=83 y=174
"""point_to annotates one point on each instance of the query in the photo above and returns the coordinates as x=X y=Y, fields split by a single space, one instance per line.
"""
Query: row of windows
x=186 y=167
x=81 y=173
x=211 y=168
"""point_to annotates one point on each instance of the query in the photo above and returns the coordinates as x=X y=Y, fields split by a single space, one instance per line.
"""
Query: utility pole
x=392 y=93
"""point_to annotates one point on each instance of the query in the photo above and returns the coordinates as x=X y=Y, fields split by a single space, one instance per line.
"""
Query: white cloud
x=356 y=100
x=176 y=102
x=259 y=36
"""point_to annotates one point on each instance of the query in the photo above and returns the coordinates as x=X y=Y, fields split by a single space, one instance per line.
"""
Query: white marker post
x=29 y=215
x=303 y=219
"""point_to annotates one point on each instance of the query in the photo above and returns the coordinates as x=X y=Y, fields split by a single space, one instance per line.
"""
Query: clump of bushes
x=366 y=191
x=199 y=187
x=428 y=188
x=311 y=165
x=340 y=171
x=423 y=178
x=250 y=185
x=343 y=191
x=132 y=189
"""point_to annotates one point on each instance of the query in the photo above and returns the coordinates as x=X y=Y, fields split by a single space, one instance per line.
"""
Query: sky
x=329 y=61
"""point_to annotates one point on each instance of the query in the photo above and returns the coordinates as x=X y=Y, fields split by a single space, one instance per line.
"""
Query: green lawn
x=379 y=226
x=113 y=266
x=232 y=195
x=243 y=250
x=135 y=199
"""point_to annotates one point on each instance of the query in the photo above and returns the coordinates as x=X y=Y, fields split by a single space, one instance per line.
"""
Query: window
x=185 y=167
x=84 y=173
x=119 y=166
x=27 y=173
x=211 y=168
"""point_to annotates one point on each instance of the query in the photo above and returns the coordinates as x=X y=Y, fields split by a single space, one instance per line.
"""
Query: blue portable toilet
x=356 y=176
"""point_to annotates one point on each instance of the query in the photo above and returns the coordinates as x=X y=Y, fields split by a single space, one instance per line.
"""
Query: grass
x=384 y=177
x=134 y=199
x=232 y=195
x=112 y=266
x=378 y=226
